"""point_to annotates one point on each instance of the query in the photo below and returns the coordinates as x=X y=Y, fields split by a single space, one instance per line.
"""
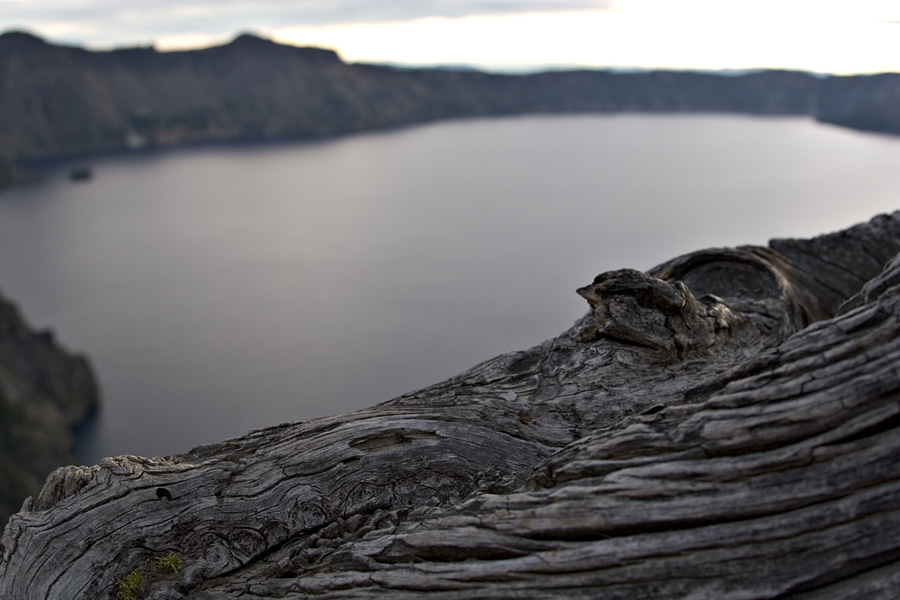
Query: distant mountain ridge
x=59 y=101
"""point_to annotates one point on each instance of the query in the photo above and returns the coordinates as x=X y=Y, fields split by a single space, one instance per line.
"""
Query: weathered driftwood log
x=718 y=428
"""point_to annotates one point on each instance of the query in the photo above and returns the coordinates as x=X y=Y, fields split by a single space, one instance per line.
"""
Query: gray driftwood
x=722 y=427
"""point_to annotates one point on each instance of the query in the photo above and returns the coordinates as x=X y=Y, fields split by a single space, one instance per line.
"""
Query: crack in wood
x=683 y=447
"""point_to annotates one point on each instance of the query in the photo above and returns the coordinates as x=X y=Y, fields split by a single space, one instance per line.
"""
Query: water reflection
x=223 y=289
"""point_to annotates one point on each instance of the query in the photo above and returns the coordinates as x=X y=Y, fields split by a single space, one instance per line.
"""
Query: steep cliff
x=44 y=392
x=724 y=426
x=57 y=101
x=868 y=103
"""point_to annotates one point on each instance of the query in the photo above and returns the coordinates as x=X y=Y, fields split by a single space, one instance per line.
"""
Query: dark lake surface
x=222 y=289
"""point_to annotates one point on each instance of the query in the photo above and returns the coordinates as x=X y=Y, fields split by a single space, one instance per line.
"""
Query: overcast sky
x=832 y=36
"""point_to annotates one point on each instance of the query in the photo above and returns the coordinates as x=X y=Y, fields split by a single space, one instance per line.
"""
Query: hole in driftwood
x=389 y=440
x=163 y=494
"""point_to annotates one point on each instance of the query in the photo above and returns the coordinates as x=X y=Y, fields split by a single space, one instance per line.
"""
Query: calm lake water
x=223 y=289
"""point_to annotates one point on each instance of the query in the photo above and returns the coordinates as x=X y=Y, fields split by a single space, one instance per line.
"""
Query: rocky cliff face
x=44 y=392
x=57 y=100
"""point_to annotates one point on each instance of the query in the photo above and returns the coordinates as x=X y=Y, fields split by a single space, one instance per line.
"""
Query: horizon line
x=487 y=68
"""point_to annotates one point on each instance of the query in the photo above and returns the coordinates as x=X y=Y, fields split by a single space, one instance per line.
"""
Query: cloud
x=300 y=12
x=331 y=11
x=113 y=22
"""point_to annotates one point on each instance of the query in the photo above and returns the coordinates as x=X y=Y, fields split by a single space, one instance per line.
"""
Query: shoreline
x=33 y=169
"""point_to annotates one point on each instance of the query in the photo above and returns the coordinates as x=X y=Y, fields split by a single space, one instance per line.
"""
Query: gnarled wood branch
x=717 y=428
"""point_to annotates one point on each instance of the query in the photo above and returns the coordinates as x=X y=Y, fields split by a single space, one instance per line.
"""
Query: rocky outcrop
x=57 y=101
x=867 y=103
x=44 y=392
x=724 y=426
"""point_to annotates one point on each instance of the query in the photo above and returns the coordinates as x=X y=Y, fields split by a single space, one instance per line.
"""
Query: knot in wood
x=633 y=307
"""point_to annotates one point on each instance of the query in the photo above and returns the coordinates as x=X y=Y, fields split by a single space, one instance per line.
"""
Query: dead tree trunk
x=721 y=427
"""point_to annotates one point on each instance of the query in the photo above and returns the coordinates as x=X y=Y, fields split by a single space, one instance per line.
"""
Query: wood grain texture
x=720 y=427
